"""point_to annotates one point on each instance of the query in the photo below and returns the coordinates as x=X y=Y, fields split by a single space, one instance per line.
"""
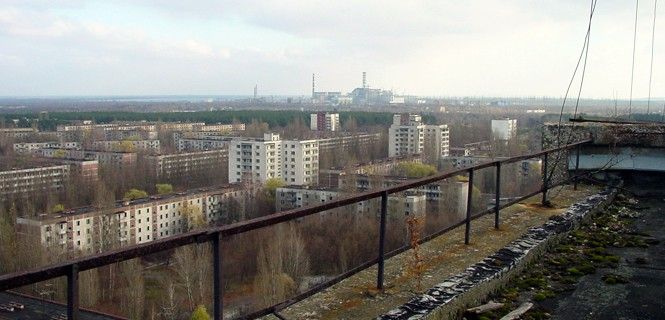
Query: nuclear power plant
x=360 y=96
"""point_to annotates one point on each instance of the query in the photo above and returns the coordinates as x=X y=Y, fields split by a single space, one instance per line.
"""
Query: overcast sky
x=438 y=47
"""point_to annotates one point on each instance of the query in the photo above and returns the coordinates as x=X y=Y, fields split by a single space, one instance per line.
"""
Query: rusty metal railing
x=72 y=268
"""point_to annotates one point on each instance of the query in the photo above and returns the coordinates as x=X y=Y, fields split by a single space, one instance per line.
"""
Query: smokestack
x=364 y=80
x=313 y=85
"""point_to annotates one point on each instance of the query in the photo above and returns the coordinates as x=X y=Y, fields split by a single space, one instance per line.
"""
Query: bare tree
x=132 y=295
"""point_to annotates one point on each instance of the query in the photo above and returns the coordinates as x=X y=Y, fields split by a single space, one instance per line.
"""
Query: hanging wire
x=586 y=55
x=653 y=34
x=632 y=69
x=583 y=54
x=572 y=78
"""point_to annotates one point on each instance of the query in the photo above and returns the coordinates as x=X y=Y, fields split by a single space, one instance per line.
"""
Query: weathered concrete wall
x=448 y=299
x=643 y=135
x=615 y=146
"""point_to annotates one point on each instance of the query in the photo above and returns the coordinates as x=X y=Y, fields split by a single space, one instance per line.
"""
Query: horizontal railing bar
x=302 y=212
x=329 y=283
x=21 y=278
x=542 y=153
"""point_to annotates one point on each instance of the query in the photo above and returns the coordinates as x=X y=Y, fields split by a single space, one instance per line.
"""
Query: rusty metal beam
x=22 y=278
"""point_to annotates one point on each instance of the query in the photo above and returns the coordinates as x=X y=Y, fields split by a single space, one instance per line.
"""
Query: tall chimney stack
x=313 y=85
x=364 y=80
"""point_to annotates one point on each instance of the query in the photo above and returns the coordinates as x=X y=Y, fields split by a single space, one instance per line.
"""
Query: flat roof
x=36 y=308
x=25 y=163
x=122 y=203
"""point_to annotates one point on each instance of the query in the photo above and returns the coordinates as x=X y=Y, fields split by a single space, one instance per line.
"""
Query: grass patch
x=612 y=279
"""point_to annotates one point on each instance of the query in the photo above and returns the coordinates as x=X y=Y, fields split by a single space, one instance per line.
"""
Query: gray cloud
x=510 y=47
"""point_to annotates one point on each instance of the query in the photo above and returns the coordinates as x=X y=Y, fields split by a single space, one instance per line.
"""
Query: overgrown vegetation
x=584 y=252
x=415 y=170
x=271 y=117
x=164 y=188
x=134 y=194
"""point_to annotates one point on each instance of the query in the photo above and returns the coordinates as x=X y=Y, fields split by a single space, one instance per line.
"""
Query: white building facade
x=408 y=135
x=324 y=121
x=257 y=160
x=504 y=129
x=91 y=230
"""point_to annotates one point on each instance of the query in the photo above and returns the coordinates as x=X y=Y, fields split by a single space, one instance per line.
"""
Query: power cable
x=632 y=69
x=583 y=54
x=572 y=78
x=653 y=34
x=586 y=55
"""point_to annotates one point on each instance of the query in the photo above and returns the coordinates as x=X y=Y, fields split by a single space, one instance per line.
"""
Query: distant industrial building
x=408 y=135
x=504 y=129
x=359 y=96
x=323 y=121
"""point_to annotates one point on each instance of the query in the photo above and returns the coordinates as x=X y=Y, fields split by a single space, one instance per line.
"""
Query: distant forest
x=273 y=118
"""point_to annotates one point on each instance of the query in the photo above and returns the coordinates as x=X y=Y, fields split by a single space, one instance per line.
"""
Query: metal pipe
x=73 y=292
x=218 y=288
x=469 y=200
x=497 y=189
x=577 y=167
x=544 y=201
x=322 y=286
x=382 y=240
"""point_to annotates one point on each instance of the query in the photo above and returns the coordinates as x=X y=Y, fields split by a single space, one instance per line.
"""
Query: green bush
x=164 y=188
x=415 y=170
x=135 y=194
x=200 y=313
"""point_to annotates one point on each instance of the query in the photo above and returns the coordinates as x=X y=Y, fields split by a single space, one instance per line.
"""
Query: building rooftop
x=23 y=163
x=36 y=308
x=128 y=203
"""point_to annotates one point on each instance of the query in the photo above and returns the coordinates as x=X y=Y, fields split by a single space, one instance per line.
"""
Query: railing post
x=577 y=166
x=497 y=203
x=544 y=201
x=382 y=240
x=469 y=202
x=73 y=292
x=218 y=289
